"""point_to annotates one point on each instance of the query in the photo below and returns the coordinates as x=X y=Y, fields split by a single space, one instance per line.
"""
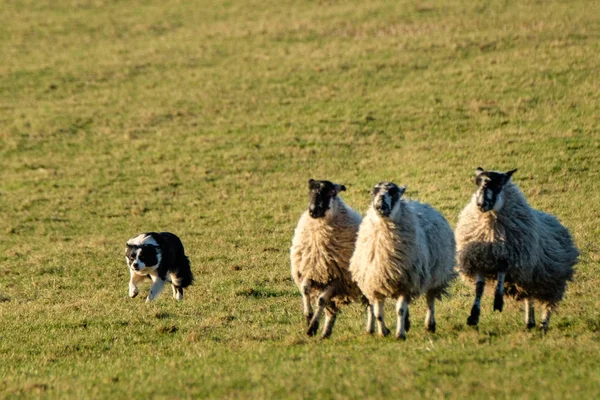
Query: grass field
x=207 y=120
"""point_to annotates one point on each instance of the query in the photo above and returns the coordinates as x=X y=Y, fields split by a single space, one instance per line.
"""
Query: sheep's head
x=321 y=194
x=490 y=189
x=386 y=197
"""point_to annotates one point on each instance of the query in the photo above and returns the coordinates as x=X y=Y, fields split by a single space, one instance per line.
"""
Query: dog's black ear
x=478 y=171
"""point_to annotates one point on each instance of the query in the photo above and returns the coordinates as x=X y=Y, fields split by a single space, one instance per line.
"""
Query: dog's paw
x=133 y=292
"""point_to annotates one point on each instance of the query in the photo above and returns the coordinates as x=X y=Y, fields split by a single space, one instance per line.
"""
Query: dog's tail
x=184 y=274
x=181 y=261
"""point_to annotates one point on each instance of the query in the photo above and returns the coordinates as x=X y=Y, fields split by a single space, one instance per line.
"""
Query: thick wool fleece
x=321 y=251
x=536 y=249
x=410 y=254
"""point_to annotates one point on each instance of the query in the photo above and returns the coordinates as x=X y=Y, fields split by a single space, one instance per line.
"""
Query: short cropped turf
x=207 y=119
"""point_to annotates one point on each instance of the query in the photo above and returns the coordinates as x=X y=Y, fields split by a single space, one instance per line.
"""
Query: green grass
x=208 y=119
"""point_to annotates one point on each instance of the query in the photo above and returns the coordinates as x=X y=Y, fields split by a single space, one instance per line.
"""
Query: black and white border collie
x=160 y=257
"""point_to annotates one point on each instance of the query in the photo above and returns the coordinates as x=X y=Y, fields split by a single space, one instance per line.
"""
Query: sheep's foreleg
x=473 y=319
x=499 y=294
x=305 y=288
x=403 y=324
x=378 y=307
x=430 y=316
x=546 y=317
x=330 y=317
x=529 y=313
x=370 y=328
x=322 y=302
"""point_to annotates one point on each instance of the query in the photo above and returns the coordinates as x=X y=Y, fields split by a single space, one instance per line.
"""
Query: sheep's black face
x=385 y=197
x=321 y=193
x=490 y=187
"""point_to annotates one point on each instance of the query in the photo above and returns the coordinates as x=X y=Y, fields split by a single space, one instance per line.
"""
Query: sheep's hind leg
x=499 y=294
x=378 y=308
x=370 y=328
x=330 y=317
x=430 y=316
x=529 y=313
x=473 y=319
x=305 y=288
x=403 y=324
x=322 y=302
x=546 y=317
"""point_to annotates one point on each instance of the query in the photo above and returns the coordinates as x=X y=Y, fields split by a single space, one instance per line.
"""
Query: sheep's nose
x=382 y=209
x=316 y=213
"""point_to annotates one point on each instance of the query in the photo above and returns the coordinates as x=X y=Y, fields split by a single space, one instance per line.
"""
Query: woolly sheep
x=321 y=249
x=499 y=236
x=404 y=248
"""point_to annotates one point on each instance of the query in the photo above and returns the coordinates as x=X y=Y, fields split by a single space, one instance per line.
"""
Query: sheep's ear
x=478 y=171
x=509 y=174
x=339 y=188
x=401 y=190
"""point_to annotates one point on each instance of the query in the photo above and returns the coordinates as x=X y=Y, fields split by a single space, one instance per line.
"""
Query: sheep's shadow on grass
x=263 y=292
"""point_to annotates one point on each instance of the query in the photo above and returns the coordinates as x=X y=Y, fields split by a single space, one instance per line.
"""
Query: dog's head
x=142 y=253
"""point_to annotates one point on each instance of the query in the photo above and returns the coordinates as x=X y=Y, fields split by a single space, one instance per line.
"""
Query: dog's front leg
x=133 y=281
x=158 y=284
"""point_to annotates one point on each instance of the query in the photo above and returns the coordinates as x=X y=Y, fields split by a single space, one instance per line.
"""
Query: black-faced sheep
x=321 y=249
x=403 y=249
x=528 y=252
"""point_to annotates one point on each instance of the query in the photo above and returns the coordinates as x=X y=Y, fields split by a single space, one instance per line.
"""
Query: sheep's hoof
x=309 y=318
x=498 y=302
x=401 y=336
x=312 y=328
x=431 y=327
x=473 y=319
x=407 y=322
